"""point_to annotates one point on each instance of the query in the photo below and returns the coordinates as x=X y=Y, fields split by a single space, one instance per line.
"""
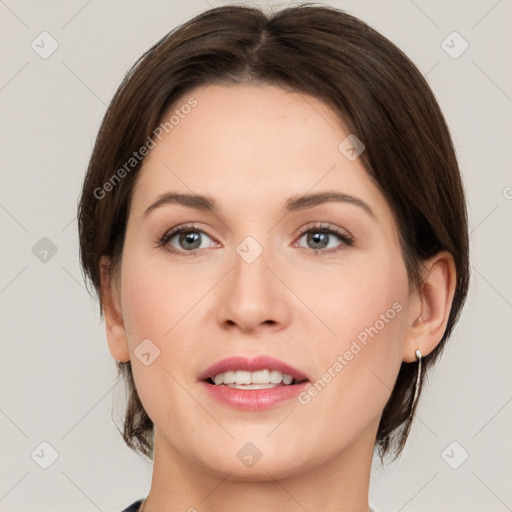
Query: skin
x=251 y=148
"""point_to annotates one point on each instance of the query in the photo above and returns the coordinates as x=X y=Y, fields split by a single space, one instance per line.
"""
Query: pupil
x=320 y=240
x=190 y=238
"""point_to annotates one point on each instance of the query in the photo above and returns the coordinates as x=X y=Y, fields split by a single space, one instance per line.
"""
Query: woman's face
x=318 y=284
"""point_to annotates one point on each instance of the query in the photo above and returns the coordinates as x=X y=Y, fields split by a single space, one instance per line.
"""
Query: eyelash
x=344 y=237
x=321 y=227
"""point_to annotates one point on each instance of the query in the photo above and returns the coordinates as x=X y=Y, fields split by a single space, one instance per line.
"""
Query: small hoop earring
x=418 y=378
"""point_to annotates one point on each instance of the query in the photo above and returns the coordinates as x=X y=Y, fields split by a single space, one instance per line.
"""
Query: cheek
x=354 y=368
x=143 y=306
x=366 y=313
x=155 y=304
x=156 y=297
x=354 y=297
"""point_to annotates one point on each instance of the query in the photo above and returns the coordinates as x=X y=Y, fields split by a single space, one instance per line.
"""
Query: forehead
x=252 y=147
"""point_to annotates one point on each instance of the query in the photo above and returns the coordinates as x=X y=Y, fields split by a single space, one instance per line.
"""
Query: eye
x=186 y=239
x=324 y=239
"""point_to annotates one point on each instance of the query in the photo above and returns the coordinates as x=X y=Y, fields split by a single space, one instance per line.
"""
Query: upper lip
x=251 y=364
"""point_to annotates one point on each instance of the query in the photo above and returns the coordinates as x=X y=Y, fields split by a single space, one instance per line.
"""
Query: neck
x=340 y=484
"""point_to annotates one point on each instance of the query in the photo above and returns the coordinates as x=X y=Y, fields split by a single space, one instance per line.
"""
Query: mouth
x=261 y=372
x=260 y=379
x=252 y=383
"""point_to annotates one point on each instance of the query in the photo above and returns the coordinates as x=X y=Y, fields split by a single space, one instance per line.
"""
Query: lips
x=251 y=364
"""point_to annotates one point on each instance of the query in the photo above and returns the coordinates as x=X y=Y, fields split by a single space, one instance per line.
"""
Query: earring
x=418 y=378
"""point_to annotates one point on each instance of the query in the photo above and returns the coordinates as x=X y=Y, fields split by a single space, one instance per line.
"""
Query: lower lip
x=254 y=399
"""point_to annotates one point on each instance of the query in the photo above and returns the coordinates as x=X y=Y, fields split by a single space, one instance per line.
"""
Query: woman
x=274 y=221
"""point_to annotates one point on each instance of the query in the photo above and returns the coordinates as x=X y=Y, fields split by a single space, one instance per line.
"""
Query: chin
x=260 y=460
x=274 y=467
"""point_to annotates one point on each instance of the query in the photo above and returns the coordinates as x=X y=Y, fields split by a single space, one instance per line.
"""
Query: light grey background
x=58 y=381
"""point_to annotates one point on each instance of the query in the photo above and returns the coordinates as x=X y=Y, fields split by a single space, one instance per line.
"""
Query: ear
x=114 y=323
x=435 y=297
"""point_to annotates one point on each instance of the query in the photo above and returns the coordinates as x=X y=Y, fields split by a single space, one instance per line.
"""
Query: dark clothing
x=134 y=506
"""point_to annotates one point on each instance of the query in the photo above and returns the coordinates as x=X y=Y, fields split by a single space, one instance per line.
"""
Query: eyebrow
x=310 y=200
x=296 y=203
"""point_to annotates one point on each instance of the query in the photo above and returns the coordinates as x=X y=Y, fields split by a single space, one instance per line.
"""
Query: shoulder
x=134 y=507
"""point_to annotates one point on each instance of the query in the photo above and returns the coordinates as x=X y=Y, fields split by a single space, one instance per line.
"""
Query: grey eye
x=190 y=240
x=316 y=239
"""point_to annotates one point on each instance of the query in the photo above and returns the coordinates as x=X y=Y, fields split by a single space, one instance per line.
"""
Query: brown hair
x=376 y=91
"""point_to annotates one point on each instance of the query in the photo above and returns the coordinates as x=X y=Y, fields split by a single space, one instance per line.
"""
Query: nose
x=254 y=297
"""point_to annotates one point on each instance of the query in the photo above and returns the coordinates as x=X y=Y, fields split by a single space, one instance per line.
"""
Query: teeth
x=287 y=379
x=242 y=377
x=260 y=379
x=276 y=376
